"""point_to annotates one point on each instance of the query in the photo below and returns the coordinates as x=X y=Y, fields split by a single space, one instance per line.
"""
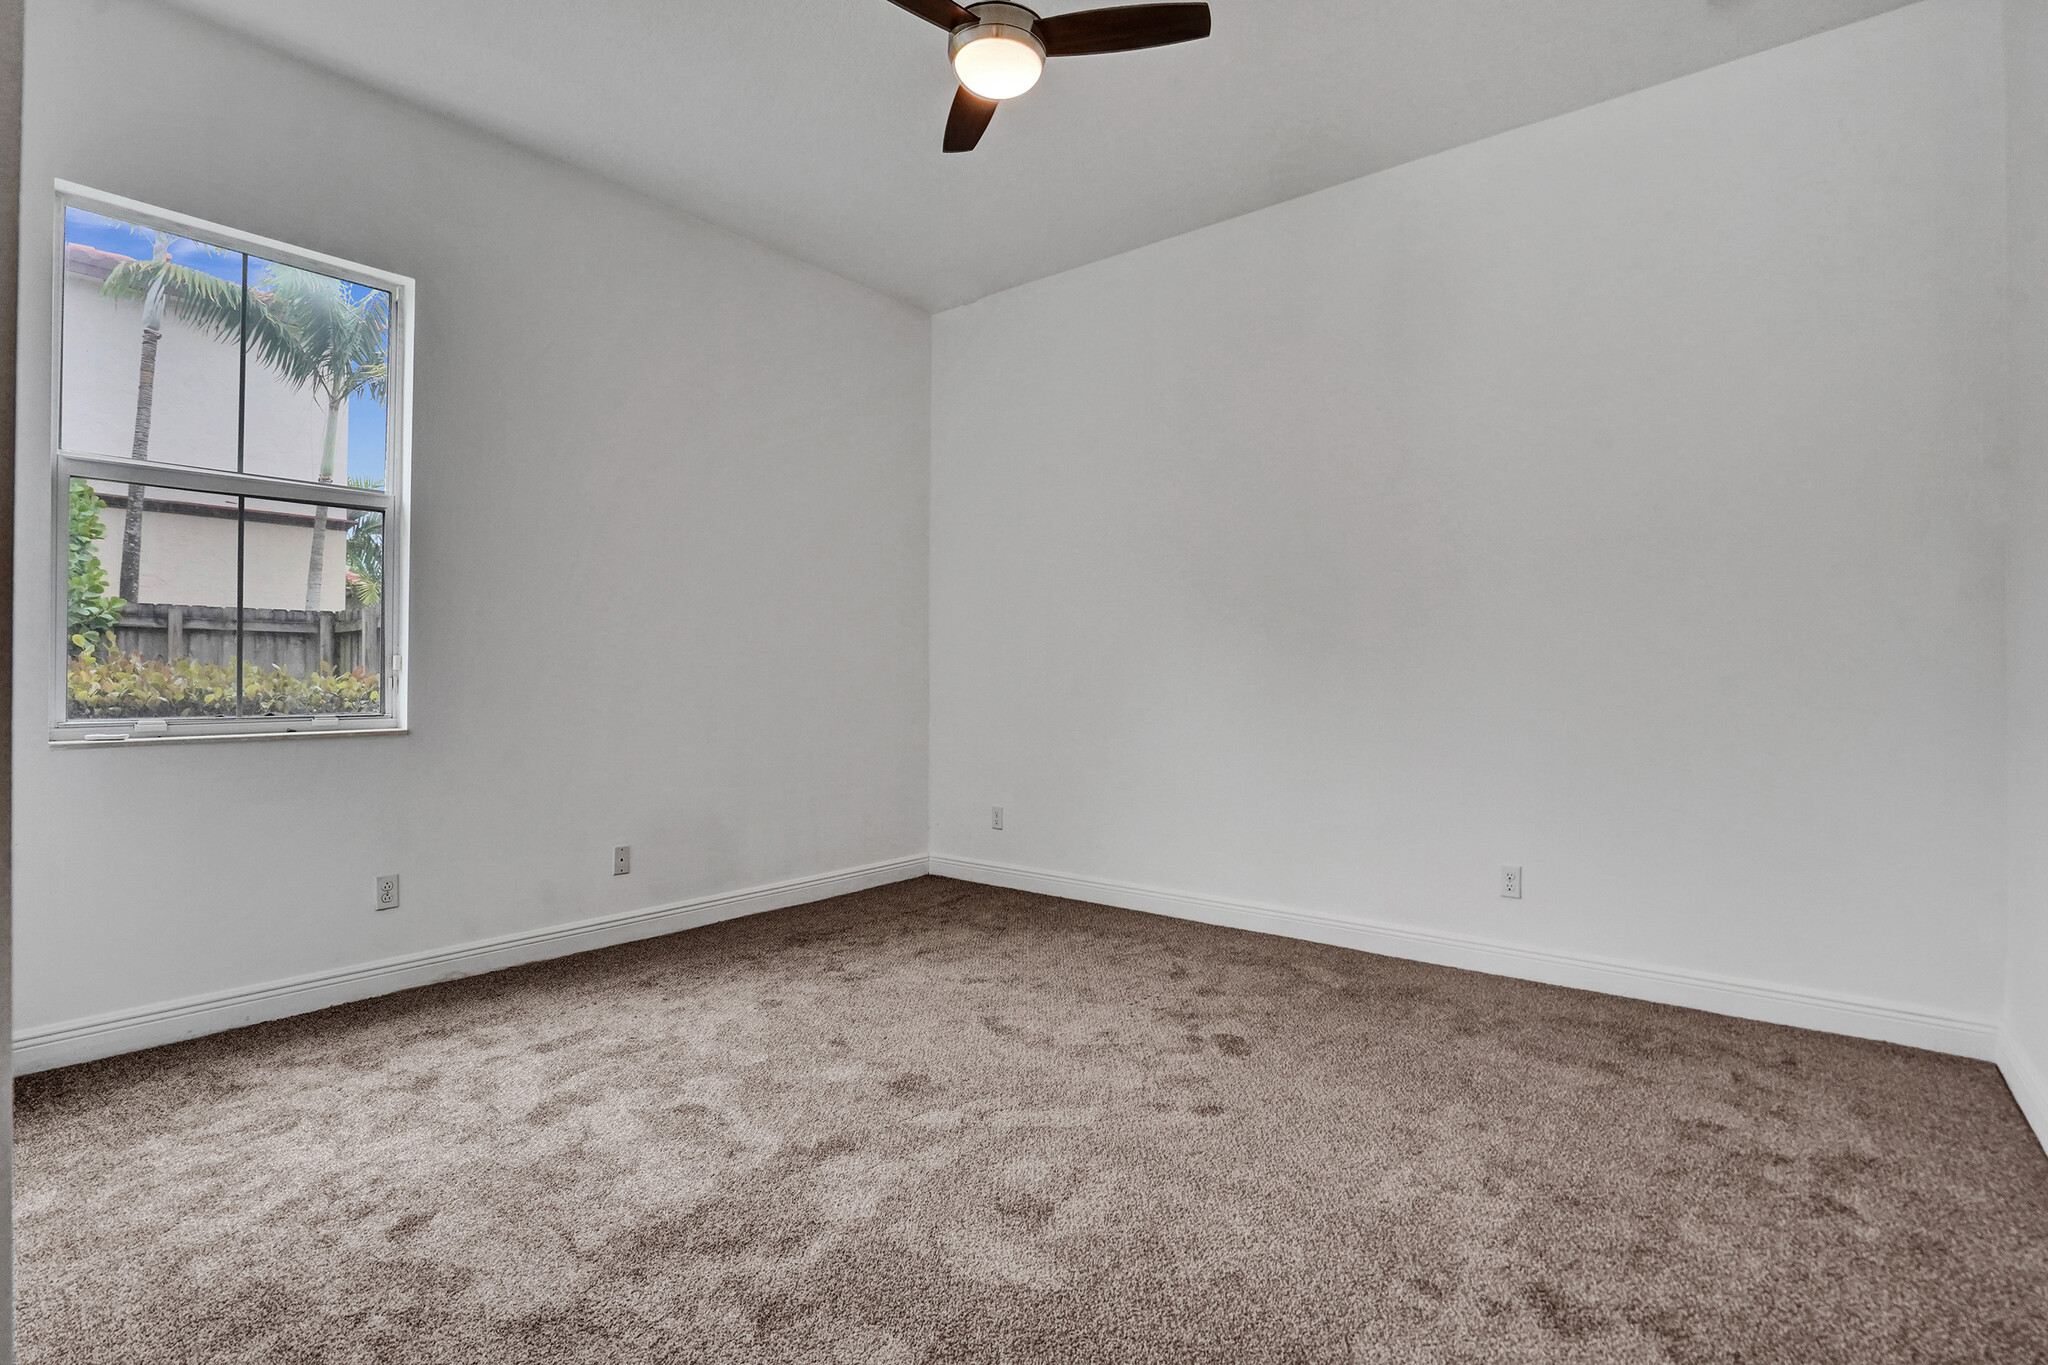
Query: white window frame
x=393 y=500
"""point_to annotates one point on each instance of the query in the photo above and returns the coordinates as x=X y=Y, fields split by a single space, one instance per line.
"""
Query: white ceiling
x=813 y=125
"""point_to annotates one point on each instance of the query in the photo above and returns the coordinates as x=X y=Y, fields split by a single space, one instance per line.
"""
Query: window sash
x=123 y=469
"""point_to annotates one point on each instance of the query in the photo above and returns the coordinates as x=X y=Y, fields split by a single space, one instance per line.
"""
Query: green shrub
x=114 y=685
x=93 y=613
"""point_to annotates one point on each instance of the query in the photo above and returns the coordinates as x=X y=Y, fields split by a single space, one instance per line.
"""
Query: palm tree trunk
x=131 y=525
x=316 y=566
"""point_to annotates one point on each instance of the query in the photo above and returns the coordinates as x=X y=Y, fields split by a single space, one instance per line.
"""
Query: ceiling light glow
x=999 y=62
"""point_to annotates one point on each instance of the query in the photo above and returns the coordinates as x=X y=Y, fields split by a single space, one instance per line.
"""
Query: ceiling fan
x=999 y=49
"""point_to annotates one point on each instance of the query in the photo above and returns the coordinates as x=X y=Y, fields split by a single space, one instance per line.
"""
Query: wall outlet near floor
x=387 y=891
x=1511 y=883
x=622 y=860
x=995 y=817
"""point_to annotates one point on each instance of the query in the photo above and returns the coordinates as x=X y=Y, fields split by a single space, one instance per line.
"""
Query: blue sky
x=366 y=416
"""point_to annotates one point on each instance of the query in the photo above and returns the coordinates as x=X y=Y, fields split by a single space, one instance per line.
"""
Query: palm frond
x=130 y=279
x=204 y=300
x=215 y=306
x=342 y=345
x=370 y=377
x=272 y=341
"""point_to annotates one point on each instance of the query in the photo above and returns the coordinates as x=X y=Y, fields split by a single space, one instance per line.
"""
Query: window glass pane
x=319 y=348
x=152 y=344
x=169 y=650
x=313 y=609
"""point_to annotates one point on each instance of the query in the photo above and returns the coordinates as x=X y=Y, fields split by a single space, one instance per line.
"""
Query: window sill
x=79 y=736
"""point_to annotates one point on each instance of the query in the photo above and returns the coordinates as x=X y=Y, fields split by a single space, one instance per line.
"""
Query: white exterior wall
x=190 y=560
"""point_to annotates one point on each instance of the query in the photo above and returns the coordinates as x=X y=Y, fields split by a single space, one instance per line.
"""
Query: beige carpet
x=941 y=1122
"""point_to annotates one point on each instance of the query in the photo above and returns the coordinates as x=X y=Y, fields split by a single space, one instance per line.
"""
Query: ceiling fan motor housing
x=997 y=21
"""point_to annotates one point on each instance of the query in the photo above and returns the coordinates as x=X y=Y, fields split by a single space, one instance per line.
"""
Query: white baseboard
x=1774 y=1004
x=2027 y=1084
x=83 y=1040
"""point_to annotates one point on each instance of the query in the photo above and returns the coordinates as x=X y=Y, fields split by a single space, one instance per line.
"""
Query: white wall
x=670 y=552
x=1614 y=497
x=2026 y=1062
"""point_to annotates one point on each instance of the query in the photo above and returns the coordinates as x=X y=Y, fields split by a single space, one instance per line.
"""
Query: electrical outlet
x=995 y=817
x=622 y=860
x=1511 y=883
x=387 y=891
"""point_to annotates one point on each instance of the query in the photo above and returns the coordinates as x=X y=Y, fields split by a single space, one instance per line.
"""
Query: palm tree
x=340 y=344
x=365 y=551
x=213 y=304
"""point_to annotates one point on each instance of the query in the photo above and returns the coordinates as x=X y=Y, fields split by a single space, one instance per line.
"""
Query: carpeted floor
x=942 y=1122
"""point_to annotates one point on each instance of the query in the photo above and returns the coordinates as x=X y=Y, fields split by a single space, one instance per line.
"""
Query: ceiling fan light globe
x=998 y=66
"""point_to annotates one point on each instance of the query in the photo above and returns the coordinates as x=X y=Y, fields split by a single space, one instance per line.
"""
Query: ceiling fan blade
x=1121 y=29
x=970 y=116
x=944 y=13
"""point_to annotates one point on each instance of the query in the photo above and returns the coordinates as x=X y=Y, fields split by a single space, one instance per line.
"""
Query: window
x=231 y=443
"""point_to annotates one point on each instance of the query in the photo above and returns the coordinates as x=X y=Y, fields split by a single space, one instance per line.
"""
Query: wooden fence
x=296 y=640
